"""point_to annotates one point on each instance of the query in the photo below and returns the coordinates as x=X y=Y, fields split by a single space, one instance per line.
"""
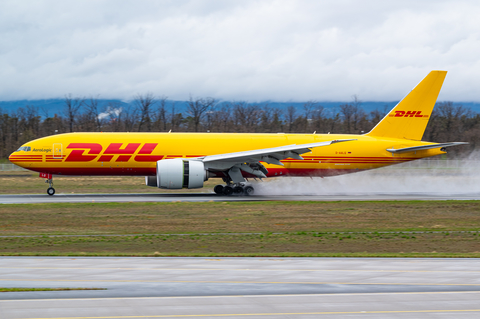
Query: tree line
x=449 y=121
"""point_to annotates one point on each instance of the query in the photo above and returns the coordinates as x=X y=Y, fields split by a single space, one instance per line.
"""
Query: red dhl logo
x=407 y=114
x=87 y=152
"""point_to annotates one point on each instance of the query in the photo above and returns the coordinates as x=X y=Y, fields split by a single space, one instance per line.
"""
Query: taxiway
x=241 y=287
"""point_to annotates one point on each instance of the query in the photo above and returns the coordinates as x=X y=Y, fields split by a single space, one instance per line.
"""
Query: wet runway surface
x=241 y=287
x=206 y=197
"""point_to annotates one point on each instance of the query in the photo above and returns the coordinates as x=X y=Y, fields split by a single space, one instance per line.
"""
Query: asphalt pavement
x=207 y=197
x=160 y=287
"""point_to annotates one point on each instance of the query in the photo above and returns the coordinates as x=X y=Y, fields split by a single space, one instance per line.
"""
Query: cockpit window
x=24 y=148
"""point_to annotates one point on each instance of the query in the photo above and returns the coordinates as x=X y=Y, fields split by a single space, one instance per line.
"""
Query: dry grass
x=172 y=218
x=256 y=229
x=300 y=243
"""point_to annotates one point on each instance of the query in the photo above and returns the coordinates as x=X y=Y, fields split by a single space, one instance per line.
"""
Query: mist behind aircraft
x=430 y=176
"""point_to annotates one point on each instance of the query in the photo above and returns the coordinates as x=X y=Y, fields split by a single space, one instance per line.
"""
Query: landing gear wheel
x=218 y=189
x=51 y=191
x=249 y=190
x=238 y=190
x=228 y=190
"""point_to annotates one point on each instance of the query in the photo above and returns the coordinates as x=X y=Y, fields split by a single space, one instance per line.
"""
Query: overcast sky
x=238 y=50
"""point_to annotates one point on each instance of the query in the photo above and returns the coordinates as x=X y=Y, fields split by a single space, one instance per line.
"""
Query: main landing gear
x=50 y=190
x=234 y=189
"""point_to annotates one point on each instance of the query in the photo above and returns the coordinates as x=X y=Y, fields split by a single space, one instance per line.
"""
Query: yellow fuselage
x=137 y=153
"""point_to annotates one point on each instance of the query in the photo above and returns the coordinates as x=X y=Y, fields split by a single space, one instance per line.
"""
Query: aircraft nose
x=15 y=159
x=11 y=158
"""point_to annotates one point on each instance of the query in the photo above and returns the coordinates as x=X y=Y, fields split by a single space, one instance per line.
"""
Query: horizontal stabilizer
x=424 y=147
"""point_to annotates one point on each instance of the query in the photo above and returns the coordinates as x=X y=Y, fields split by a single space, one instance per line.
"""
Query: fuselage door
x=57 y=150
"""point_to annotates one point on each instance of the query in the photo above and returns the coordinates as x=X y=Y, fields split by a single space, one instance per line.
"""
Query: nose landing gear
x=50 y=190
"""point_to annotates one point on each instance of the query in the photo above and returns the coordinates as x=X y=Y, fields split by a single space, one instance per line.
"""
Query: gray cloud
x=253 y=50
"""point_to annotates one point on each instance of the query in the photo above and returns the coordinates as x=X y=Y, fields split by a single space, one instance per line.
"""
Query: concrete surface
x=242 y=287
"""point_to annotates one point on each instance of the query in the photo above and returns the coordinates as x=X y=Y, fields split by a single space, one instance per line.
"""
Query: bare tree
x=246 y=116
x=221 y=119
x=312 y=111
x=174 y=121
x=129 y=118
x=291 y=110
x=347 y=111
x=162 y=113
x=144 y=105
x=72 y=106
x=359 y=115
x=353 y=115
x=310 y=108
x=450 y=121
x=93 y=113
x=271 y=119
x=377 y=115
x=315 y=117
x=197 y=108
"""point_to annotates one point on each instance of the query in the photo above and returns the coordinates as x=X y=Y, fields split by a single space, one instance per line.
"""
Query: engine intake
x=178 y=173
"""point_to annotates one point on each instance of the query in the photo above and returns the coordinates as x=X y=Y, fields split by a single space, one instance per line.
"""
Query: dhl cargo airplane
x=186 y=160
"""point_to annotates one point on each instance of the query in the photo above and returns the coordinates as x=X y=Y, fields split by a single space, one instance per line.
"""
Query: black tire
x=51 y=191
x=218 y=189
x=248 y=190
x=228 y=190
x=238 y=190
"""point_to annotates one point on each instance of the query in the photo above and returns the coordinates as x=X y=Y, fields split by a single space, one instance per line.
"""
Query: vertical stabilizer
x=410 y=116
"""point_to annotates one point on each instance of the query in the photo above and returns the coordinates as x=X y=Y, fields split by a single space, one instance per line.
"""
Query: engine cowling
x=178 y=173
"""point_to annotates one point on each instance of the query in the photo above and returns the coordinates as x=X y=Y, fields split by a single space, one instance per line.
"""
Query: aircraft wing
x=269 y=155
x=249 y=161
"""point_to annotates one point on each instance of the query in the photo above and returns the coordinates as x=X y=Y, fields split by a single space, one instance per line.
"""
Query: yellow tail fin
x=410 y=116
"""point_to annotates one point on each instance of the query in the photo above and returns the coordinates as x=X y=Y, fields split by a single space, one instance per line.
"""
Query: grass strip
x=288 y=229
x=241 y=234
x=237 y=217
x=271 y=244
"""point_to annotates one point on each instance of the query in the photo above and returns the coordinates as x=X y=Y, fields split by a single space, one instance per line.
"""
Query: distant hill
x=49 y=107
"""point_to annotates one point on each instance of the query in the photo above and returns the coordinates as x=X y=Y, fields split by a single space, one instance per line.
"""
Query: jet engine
x=178 y=173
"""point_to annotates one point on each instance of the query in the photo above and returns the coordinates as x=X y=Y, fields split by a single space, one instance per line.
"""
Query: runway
x=241 y=287
x=208 y=197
